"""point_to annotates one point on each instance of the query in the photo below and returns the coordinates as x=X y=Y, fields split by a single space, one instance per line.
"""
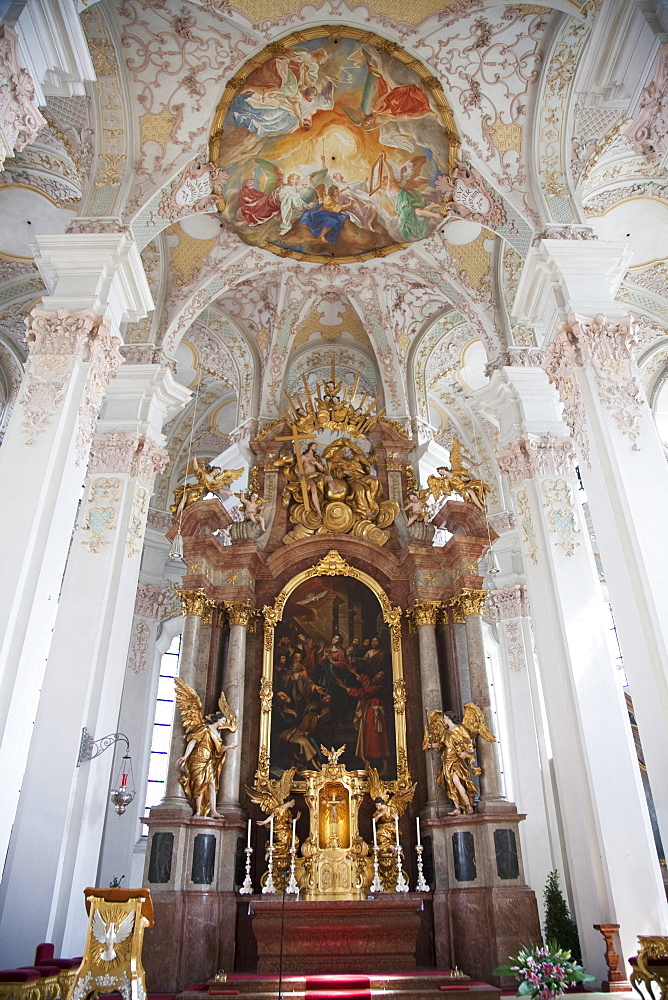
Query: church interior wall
x=495 y=319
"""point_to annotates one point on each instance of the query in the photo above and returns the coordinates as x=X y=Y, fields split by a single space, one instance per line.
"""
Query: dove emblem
x=109 y=935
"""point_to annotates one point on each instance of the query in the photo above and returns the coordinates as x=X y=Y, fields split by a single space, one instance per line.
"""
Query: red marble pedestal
x=344 y=936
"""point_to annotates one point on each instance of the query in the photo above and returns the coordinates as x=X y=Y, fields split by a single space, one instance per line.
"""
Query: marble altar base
x=346 y=936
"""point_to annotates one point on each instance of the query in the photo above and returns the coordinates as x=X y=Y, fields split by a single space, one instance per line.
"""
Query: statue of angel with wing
x=455 y=741
x=210 y=479
x=388 y=806
x=272 y=797
x=205 y=754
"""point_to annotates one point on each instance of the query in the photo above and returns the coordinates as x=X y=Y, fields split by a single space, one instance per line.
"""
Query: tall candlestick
x=417 y=823
x=249 y=834
x=396 y=829
x=375 y=841
x=271 y=830
x=294 y=834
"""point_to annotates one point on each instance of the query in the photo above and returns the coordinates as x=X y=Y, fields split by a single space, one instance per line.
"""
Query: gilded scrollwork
x=196 y=602
x=470 y=602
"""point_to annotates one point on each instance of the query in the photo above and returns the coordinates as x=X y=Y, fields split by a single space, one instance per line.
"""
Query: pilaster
x=586 y=714
x=20 y=117
x=82 y=686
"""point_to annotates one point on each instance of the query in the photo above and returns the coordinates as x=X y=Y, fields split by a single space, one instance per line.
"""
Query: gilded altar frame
x=333 y=564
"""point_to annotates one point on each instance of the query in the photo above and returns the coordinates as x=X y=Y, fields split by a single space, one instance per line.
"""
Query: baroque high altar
x=332 y=636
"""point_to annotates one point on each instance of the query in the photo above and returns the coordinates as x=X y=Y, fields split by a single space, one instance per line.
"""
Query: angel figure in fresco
x=457 y=479
x=410 y=204
x=210 y=479
x=202 y=763
x=455 y=743
x=388 y=806
x=283 y=94
x=289 y=197
x=272 y=797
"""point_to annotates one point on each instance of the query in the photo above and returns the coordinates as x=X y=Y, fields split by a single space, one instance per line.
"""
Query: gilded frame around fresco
x=334 y=31
x=333 y=565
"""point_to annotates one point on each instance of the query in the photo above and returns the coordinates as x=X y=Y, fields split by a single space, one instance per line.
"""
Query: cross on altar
x=297 y=438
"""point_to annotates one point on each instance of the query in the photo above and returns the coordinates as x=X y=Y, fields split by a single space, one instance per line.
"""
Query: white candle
x=375 y=842
x=417 y=823
x=249 y=832
x=271 y=830
x=396 y=828
x=294 y=833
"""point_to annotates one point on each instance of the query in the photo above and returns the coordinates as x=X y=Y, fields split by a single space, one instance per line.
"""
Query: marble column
x=468 y=605
x=611 y=865
x=424 y=617
x=197 y=610
x=97 y=283
x=241 y=616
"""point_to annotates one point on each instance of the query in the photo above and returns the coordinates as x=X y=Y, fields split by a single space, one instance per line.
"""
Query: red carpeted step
x=337 y=982
x=338 y=995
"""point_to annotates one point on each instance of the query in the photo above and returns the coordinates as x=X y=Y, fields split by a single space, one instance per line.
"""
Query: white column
x=73 y=344
x=592 y=363
x=527 y=750
x=84 y=679
x=614 y=874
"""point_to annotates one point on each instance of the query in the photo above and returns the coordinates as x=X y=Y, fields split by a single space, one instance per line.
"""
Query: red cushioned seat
x=25 y=975
x=43 y=969
x=44 y=953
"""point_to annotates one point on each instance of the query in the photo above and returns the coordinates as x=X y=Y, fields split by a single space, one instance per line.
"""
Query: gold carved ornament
x=241 y=613
x=456 y=745
x=197 y=602
x=424 y=613
x=651 y=947
x=468 y=602
x=209 y=479
x=112 y=954
x=333 y=564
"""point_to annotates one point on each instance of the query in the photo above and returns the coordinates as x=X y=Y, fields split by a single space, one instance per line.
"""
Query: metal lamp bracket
x=90 y=748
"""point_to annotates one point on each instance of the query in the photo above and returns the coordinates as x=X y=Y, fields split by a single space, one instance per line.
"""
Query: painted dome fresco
x=339 y=145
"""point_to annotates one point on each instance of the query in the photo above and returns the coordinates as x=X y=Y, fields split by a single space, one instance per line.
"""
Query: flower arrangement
x=544 y=973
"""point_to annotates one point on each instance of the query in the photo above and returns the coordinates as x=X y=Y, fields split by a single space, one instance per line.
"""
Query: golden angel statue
x=272 y=797
x=457 y=479
x=388 y=806
x=455 y=741
x=210 y=479
x=205 y=753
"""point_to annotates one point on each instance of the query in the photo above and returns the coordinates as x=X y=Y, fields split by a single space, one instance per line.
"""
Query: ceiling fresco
x=333 y=147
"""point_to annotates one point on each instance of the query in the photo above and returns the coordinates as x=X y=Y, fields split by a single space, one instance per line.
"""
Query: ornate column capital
x=468 y=602
x=600 y=338
x=134 y=454
x=510 y=602
x=536 y=455
x=609 y=345
x=62 y=332
x=423 y=613
x=197 y=602
x=20 y=118
x=241 y=613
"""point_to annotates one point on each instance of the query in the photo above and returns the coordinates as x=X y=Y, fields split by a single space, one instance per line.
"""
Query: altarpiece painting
x=332 y=679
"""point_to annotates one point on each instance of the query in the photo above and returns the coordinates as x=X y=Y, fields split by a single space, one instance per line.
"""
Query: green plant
x=544 y=973
x=559 y=924
x=116 y=882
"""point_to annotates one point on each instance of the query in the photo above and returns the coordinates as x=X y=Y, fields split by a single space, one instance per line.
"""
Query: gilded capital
x=241 y=613
x=197 y=602
x=424 y=613
x=468 y=602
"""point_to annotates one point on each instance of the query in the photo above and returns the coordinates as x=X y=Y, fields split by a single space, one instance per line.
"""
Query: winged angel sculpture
x=455 y=741
x=272 y=797
x=210 y=479
x=205 y=754
x=388 y=806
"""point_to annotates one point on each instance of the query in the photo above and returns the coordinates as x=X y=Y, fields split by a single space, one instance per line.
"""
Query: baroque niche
x=334 y=143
